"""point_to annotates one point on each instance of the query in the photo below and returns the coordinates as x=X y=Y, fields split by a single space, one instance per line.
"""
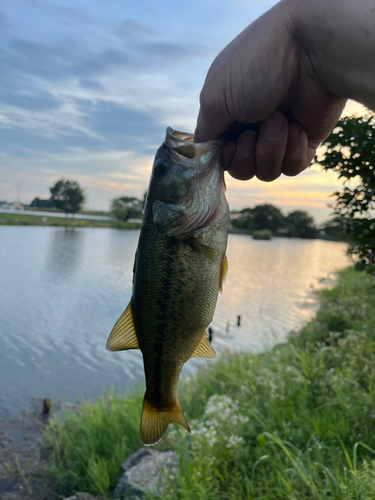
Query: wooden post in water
x=210 y=333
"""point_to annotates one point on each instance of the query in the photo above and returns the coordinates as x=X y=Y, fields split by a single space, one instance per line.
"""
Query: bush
x=350 y=152
x=262 y=235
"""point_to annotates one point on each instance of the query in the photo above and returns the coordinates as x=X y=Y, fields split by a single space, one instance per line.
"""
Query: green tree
x=260 y=217
x=300 y=224
x=350 y=152
x=243 y=219
x=68 y=196
x=267 y=216
x=333 y=228
x=126 y=207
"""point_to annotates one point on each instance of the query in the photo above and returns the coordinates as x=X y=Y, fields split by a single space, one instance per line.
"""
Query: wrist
x=336 y=40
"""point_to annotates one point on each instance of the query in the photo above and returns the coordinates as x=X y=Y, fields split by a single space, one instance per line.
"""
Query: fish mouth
x=182 y=143
x=177 y=136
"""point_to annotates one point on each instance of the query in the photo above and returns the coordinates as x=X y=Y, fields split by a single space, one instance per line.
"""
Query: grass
x=83 y=211
x=50 y=220
x=88 y=447
x=294 y=422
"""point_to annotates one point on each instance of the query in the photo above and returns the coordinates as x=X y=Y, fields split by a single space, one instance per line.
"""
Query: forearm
x=337 y=40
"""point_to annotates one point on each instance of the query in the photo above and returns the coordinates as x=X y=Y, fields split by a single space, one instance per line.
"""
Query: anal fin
x=123 y=335
x=204 y=349
x=154 y=421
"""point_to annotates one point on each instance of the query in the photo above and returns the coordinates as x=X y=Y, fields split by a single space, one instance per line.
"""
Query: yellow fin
x=208 y=252
x=204 y=349
x=154 y=422
x=123 y=336
x=223 y=272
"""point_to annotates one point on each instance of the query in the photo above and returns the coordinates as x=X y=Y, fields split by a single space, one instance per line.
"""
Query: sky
x=88 y=87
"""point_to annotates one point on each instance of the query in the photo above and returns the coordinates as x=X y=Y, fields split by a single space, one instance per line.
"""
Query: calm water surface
x=61 y=291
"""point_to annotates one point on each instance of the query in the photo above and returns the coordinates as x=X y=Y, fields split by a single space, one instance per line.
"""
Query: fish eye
x=160 y=169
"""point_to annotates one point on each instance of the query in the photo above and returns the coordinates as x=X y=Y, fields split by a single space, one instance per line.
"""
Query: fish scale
x=179 y=268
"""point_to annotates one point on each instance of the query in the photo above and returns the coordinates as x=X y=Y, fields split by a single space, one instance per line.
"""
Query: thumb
x=211 y=122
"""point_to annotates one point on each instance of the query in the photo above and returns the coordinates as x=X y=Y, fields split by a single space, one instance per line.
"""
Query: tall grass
x=90 y=445
x=295 y=422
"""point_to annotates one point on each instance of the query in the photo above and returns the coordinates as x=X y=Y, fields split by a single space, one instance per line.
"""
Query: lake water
x=61 y=291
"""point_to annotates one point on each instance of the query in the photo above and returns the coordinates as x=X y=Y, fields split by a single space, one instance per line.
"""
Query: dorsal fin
x=223 y=272
x=204 y=349
x=123 y=336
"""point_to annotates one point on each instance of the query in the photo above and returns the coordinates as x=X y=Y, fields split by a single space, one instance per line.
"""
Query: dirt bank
x=23 y=459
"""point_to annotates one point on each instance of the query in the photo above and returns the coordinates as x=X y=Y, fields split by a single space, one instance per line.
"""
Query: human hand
x=265 y=76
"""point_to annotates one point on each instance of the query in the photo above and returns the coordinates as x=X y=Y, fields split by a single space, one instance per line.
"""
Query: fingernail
x=273 y=126
x=294 y=130
x=246 y=143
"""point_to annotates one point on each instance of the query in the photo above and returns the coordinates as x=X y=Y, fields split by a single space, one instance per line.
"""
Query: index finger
x=212 y=121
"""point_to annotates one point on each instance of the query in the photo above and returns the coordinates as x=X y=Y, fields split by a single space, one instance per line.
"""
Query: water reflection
x=269 y=285
x=63 y=290
x=64 y=252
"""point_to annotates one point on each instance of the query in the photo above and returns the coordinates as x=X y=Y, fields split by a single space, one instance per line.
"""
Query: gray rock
x=83 y=496
x=145 y=470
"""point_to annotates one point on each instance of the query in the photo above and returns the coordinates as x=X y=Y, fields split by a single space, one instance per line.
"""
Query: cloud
x=310 y=190
x=33 y=99
x=123 y=127
x=120 y=93
x=131 y=29
x=103 y=175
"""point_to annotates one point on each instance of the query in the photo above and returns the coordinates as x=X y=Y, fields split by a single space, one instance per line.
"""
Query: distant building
x=38 y=203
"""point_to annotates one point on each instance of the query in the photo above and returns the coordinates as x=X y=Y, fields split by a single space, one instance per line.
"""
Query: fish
x=179 y=269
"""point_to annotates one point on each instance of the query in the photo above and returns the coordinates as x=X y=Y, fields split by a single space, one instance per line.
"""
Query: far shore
x=20 y=219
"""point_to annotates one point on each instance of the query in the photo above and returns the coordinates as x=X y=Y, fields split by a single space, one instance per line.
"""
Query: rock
x=145 y=470
x=83 y=496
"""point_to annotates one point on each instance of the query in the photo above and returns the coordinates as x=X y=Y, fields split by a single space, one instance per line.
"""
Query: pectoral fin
x=204 y=349
x=223 y=272
x=123 y=336
x=208 y=252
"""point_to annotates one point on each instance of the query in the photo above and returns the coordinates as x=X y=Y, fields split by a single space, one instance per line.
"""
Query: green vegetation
x=127 y=207
x=68 y=196
x=89 y=446
x=264 y=234
x=350 y=152
x=54 y=209
x=332 y=229
x=294 y=422
x=267 y=217
x=36 y=220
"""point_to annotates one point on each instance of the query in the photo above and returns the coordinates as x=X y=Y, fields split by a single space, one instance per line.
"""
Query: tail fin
x=154 y=422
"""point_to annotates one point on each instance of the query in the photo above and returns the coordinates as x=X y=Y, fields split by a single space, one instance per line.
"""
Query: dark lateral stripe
x=161 y=319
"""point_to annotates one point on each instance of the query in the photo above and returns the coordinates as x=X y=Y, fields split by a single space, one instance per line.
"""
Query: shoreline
x=241 y=409
x=7 y=219
x=23 y=461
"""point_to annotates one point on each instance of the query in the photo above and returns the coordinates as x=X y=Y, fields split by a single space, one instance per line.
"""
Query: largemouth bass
x=179 y=269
